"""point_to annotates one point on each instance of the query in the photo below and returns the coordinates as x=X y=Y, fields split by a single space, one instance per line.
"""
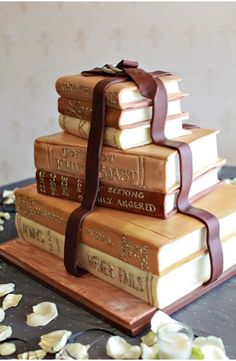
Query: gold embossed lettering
x=131 y=280
x=101 y=266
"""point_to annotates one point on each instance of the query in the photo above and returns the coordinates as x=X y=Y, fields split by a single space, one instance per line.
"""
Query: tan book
x=132 y=200
x=151 y=167
x=119 y=118
x=121 y=95
x=153 y=245
x=121 y=138
x=159 y=291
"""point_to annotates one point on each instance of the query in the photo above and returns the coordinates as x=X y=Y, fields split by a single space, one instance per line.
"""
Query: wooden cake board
x=117 y=307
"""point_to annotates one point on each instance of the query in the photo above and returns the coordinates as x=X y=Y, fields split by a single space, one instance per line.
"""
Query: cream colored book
x=159 y=291
x=121 y=138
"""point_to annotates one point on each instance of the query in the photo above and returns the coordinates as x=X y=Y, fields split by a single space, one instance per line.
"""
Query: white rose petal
x=73 y=351
x=212 y=352
x=32 y=355
x=5 y=332
x=118 y=348
x=2 y=314
x=54 y=341
x=11 y=300
x=6 y=288
x=43 y=313
x=159 y=319
x=210 y=340
x=149 y=352
x=6 y=193
x=7 y=348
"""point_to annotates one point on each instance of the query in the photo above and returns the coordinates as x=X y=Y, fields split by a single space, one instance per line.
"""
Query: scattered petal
x=1 y=221
x=2 y=314
x=149 y=339
x=53 y=342
x=9 y=200
x=43 y=313
x=5 y=215
x=210 y=340
x=1 y=228
x=75 y=351
x=32 y=355
x=7 y=348
x=212 y=352
x=11 y=300
x=6 y=288
x=149 y=352
x=5 y=332
x=159 y=319
x=118 y=348
x=6 y=193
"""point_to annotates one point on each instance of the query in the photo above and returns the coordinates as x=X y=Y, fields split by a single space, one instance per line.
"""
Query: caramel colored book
x=119 y=118
x=159 y=291
x=151 y=167
x=121 y=95
x=153 y=245
x=154 y=204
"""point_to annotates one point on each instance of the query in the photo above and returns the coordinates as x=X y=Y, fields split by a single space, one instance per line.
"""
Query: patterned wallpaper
x=41 y=41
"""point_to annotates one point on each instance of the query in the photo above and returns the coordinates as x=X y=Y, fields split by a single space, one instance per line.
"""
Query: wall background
x=41 y=41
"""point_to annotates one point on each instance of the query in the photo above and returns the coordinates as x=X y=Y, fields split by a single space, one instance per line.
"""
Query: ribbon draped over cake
x=154 y=89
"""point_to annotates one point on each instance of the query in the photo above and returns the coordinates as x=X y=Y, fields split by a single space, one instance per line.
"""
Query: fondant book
x=118 y=118
x=156 y=246
x=121 y=96
x=153 y=204
x=127 y=138
x=151 y=167
x=159 y=291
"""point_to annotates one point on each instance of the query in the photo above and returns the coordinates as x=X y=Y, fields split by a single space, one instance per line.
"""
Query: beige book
x=154 y=245
x=121 y=139
x=151 y=167
x=121 y=95
x=159 y=291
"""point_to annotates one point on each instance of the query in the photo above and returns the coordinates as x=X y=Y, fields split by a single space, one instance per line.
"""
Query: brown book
x=151 y=167
x=119 y=118
x=132 y=200
x=121 y=95
x=153 y=245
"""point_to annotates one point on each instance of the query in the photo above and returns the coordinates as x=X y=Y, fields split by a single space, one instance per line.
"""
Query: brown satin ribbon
x=152 y=88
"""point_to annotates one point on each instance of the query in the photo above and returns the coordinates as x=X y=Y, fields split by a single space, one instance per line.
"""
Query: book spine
x=118 y=168
x=116 y=240
x=125 y=199
x=122 y=275
x=81 y=128
x=72 y=89
x=83 y=110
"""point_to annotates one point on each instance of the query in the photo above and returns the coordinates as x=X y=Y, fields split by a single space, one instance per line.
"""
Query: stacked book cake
x=134 y=239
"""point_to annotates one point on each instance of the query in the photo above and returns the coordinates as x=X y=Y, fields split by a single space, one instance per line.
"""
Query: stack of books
x=130 y=241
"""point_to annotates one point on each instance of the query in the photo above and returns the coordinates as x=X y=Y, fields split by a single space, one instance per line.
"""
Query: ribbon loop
x=127 y=64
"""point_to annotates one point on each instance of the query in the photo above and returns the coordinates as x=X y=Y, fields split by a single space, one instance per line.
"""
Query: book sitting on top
x=120 y=96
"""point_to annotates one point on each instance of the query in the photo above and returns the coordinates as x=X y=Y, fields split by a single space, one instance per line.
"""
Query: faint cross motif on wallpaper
x=16 y=129
x=209 y=78
x=117 y=36
x=227 y=120
x=82 y=39
x=32 y=86
x=225 y=34
x=190 y=34
x=60 y=5
x=6 y=43
x=154 y=35
x=45 y=41
x=23 y=6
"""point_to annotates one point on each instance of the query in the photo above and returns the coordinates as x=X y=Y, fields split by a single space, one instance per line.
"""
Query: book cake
x=126 y=191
